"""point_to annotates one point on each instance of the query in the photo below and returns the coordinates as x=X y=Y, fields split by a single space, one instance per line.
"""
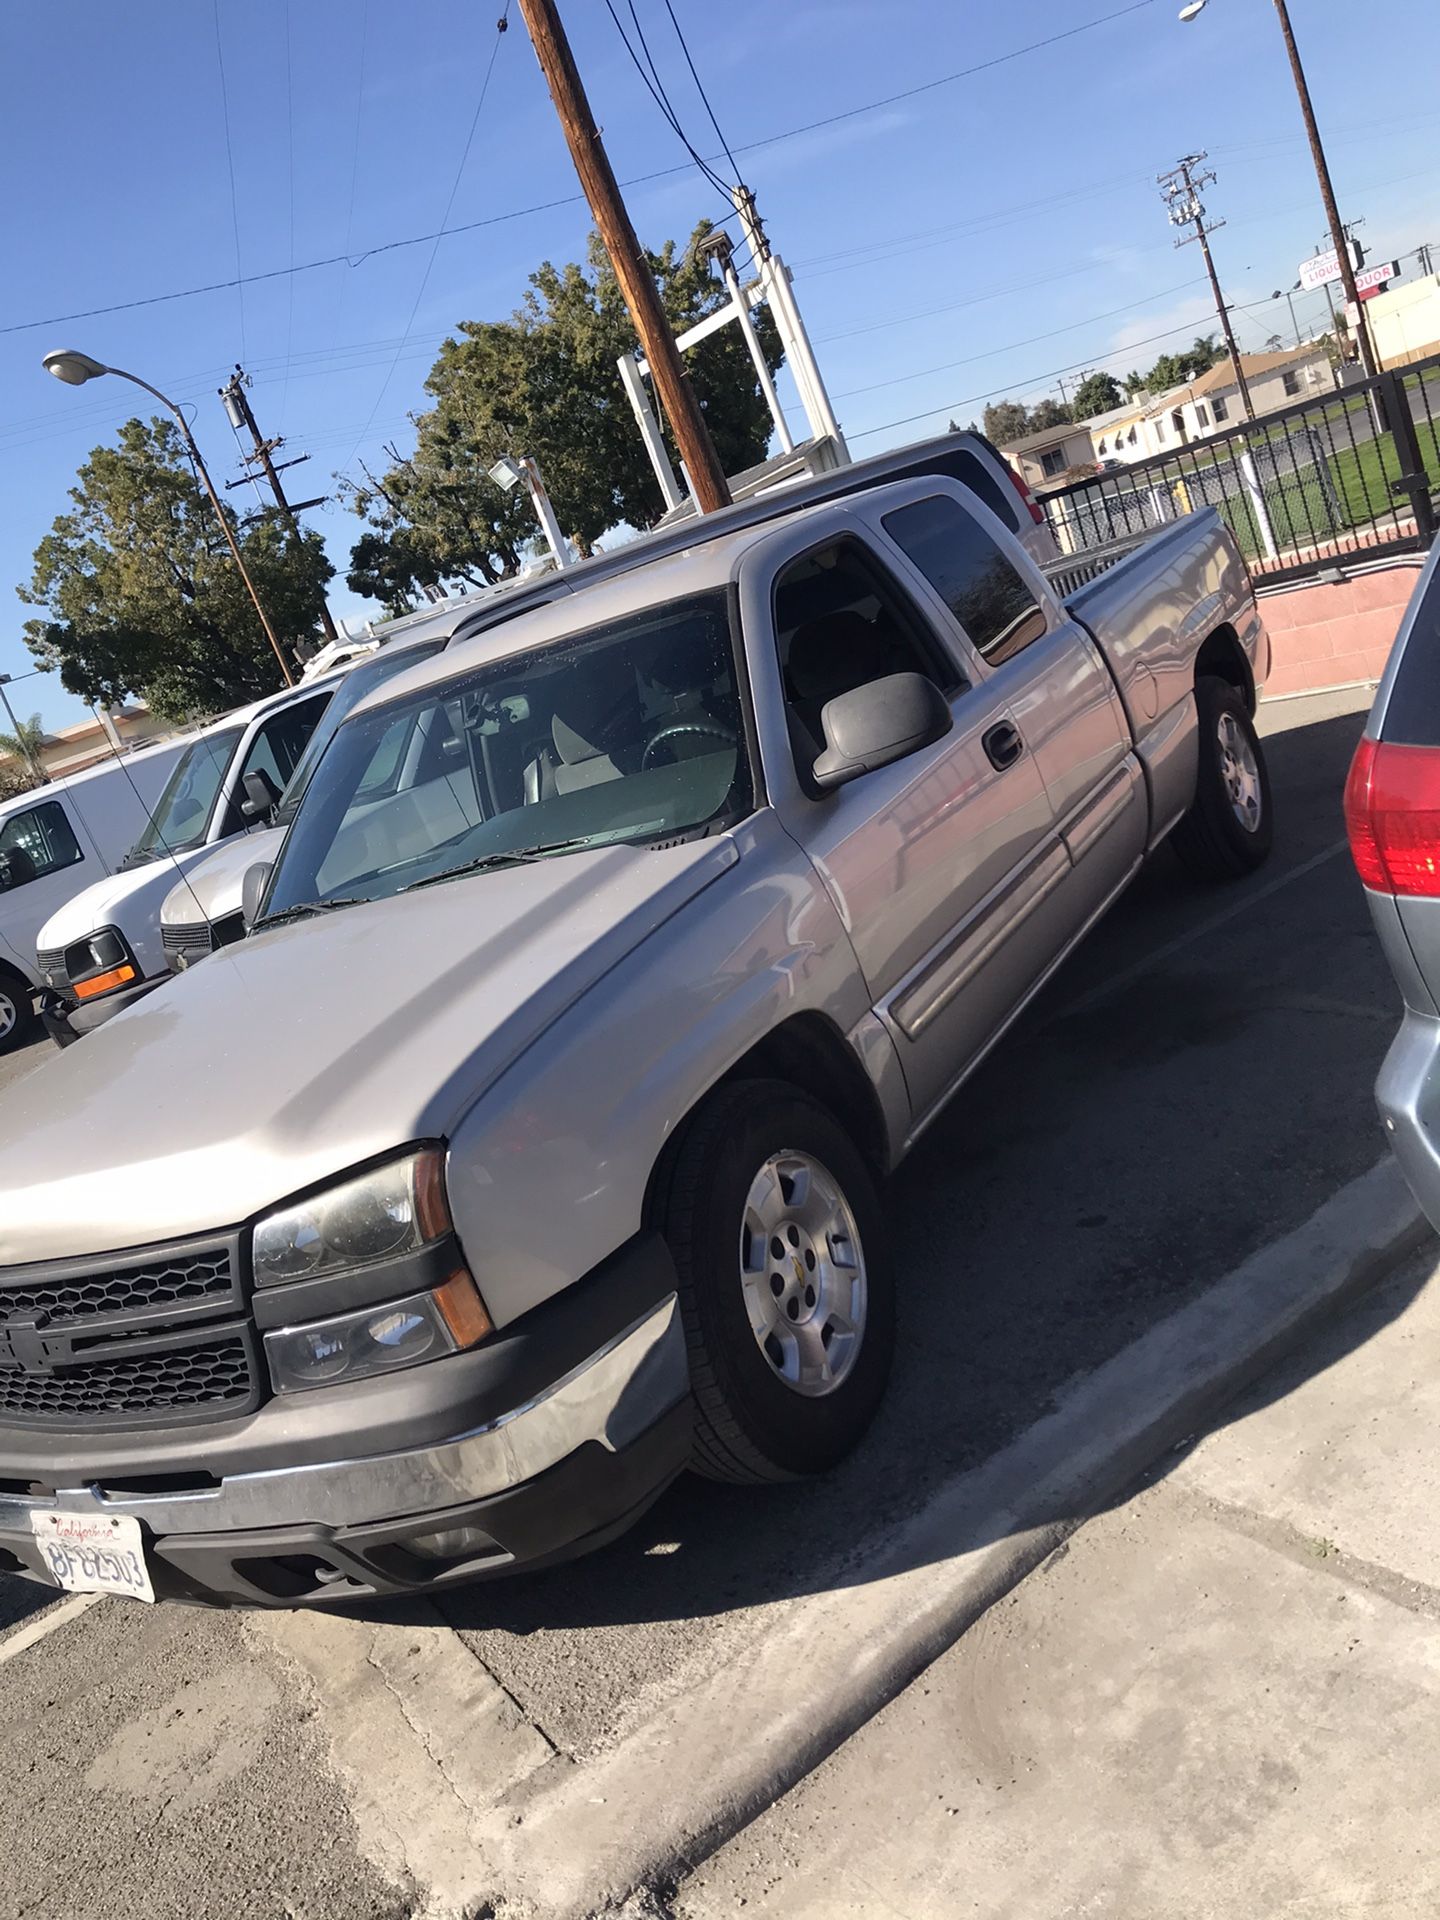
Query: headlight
x=356 y=1346
x=100 y=964
x=391 y=1210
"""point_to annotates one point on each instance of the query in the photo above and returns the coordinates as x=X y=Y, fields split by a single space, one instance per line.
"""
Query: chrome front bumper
x=610 y=1399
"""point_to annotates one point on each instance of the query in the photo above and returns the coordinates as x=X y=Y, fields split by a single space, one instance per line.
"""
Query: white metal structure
x=826 y=448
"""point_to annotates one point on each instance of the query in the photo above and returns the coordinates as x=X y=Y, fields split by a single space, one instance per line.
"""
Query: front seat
x=596 y=734
x=827 y=657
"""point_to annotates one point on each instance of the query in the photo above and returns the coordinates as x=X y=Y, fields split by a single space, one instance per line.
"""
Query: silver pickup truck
x=529 y=1148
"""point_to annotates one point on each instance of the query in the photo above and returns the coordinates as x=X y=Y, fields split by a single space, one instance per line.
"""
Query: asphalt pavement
x=1193 y=1085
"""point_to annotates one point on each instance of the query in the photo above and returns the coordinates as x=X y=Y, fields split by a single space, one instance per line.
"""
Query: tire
x=17 y=1013
x=754 y=1422
x=1214 y=841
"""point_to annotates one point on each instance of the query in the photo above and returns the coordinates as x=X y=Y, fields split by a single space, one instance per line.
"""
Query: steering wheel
x=715 y=728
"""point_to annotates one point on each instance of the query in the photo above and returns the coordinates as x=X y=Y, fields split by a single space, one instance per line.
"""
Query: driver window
x=841 y=622
x=36 y=842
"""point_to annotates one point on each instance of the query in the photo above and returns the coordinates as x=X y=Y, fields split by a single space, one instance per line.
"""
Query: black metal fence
x=1355 y=472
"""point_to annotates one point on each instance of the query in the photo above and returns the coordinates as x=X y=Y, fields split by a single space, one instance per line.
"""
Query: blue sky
x=966 y=241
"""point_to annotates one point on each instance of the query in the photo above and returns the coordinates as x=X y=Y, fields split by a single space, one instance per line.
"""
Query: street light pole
x=75 y=369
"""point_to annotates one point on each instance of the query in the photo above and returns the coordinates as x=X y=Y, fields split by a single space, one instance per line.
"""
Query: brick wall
x=1331 y=635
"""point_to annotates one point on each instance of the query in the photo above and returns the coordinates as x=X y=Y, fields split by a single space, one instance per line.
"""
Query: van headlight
x=392 y=1210
x=100 y=964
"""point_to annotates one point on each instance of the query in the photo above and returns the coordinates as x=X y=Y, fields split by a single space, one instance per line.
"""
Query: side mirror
x=262 y=796
x=252 y=890
x=872 y=726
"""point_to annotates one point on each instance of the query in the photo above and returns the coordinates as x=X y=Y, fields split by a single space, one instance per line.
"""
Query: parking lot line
x=25 y=1637
x=1201 y=931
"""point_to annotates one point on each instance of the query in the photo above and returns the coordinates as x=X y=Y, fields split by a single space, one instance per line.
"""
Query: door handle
x=1003 y=745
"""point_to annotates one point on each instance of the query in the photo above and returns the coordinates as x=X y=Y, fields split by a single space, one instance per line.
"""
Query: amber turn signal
x=103 y=982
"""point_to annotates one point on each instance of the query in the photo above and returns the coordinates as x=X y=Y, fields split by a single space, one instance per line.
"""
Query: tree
x=1006 y=421
x=1049 y=413
x=1175 y=369
x=139 y=593
x=23 y=749
x=1096 y=394
x=545 y=383
x=16 y=777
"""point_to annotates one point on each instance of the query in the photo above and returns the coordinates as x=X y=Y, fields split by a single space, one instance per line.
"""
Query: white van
x=102 y=948
x=55 y=842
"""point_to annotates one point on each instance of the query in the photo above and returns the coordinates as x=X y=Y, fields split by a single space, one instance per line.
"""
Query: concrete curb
x=572 y=1840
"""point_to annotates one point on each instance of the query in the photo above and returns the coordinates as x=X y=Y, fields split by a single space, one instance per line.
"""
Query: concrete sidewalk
x=1221 y=1700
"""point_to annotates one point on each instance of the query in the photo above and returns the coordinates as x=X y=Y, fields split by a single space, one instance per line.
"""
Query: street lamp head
x=1192 y=10
x=72 y=367
x=506 y=472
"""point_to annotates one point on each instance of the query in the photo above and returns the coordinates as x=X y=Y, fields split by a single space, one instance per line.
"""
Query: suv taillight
x=1392 y=816
x=1037 y=512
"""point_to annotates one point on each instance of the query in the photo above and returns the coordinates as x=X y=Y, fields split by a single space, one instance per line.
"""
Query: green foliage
x=139 y=593
x=1049 y=413
x=1006 y=421
x=1174 y=369
x=26 y=741
x=17 y=777
x=1096 y=394
x=544 y=383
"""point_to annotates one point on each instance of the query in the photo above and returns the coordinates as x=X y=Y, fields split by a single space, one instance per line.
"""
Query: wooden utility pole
x=642 y=297
x=1339 y=238
x=237 y=406
x=1180 y=190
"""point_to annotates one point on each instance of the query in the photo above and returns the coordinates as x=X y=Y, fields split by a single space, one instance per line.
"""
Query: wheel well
x=12 y=977
x=1222 y=657
x=812 y=1054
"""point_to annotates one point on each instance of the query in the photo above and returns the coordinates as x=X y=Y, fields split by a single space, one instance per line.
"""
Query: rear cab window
x=987 y=594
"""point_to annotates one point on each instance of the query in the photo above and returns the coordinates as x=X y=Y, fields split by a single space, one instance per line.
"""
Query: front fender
x=548 y=1172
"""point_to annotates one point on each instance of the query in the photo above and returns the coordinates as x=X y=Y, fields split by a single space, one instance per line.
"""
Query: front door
x=929 y=860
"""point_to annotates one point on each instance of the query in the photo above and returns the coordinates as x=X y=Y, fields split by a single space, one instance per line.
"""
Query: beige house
x=70 y=749
x=1043 y=459
x=1405 y=322
x=1162 y=423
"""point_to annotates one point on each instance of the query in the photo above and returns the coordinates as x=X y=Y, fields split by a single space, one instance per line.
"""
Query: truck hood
x=295 y=1054
x=211 y=888
x=117 y=900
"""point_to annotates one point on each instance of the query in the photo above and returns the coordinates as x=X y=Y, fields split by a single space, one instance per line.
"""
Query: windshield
x=351 y=691
x=630 y=732
x=182 y=812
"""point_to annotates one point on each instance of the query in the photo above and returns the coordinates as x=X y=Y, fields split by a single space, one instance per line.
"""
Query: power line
x=564 y=200
x=1089 y=363
x=230 y=163
x=656 y=89
x=970 y=359
x=700 y=89
x=290 y=174
x=500 y=27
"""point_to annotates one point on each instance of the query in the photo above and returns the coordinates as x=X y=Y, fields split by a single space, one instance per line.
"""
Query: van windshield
x=351 y=691
x=629 y=732
x=183 y=810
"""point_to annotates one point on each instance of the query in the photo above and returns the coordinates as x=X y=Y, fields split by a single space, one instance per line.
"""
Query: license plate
x=94 y=1553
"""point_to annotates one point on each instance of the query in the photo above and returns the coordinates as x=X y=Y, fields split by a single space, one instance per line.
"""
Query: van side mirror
x=262 y=796
x=252 y=890
x=873 y=725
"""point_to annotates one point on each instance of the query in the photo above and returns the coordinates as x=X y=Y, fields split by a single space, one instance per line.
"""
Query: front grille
x=51 y=960
x=185 y=1279
x=153 y=1334
x=195 y=936
x=209 y=1372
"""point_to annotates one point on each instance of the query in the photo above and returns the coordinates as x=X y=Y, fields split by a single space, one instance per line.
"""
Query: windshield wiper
x=486 y=862
x=303 y=909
